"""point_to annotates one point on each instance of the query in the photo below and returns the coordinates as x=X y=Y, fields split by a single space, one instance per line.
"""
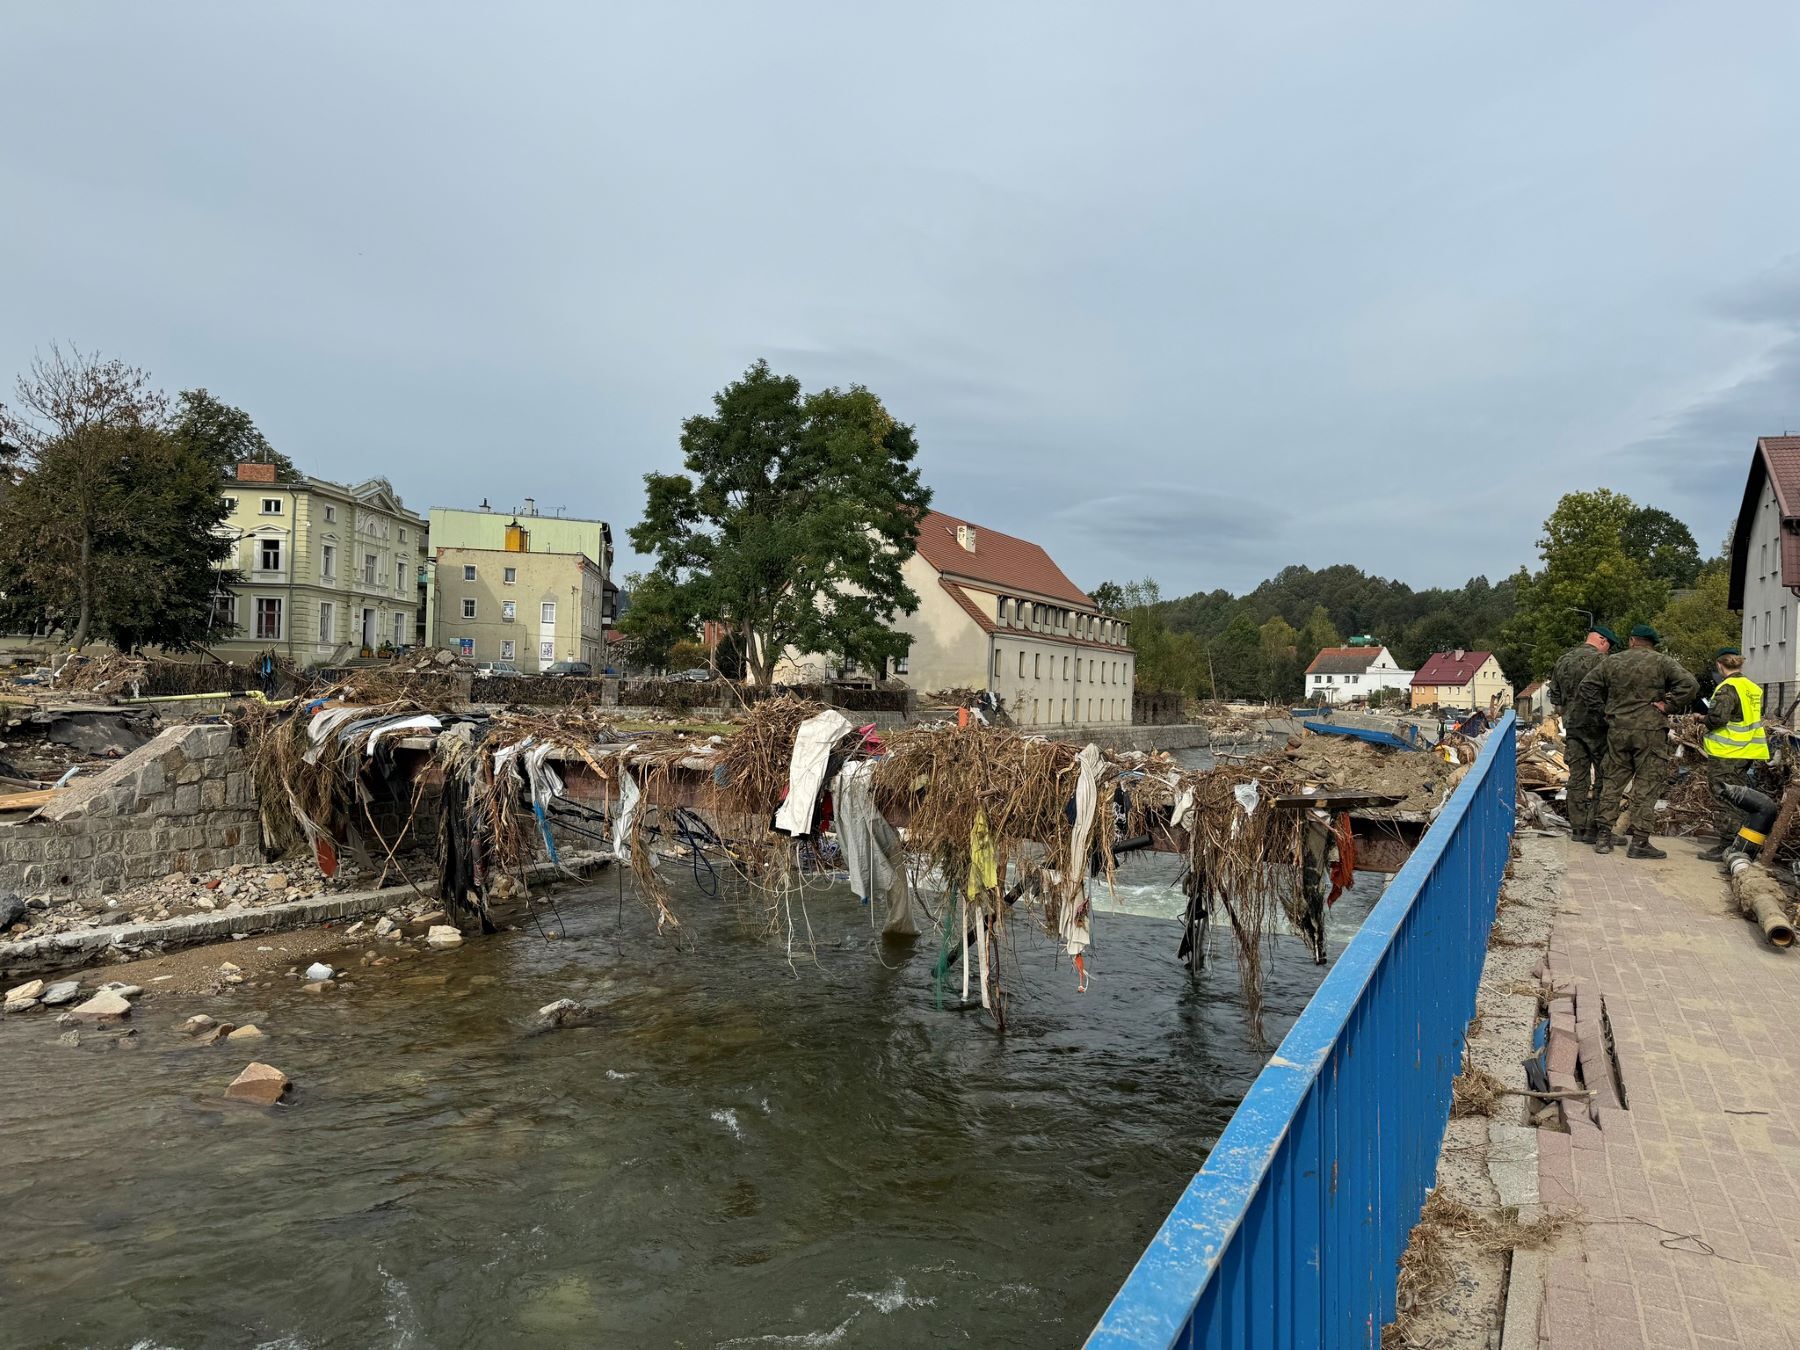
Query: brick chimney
x=247 y=472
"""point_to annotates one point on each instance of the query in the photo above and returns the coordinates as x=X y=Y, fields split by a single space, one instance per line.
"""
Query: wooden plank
x=27 y=801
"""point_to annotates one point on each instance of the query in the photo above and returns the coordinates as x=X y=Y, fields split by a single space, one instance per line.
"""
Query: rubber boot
x=1641 y=847
x=1717 y=852
x=1603 y=841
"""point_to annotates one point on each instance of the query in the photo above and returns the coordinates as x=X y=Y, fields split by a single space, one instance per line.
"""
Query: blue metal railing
x=1291 y=1234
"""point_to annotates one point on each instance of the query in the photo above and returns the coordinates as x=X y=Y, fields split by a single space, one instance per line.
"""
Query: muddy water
x=740 y=1155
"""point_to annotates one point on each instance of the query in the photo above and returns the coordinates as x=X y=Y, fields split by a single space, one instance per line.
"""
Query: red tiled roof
x=1444 y=669
x=1343 y=660
x=1776 y=461
x=999 y=560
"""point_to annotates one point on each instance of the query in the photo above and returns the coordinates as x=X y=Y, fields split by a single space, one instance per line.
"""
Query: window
x=1021 y=665
x=1090 y=716
x=468 y=572
x=1753 y=630
x=1065 y=667
x=510 y=576
x=547 y=612
x=268 y=618
x=399 y=630
x=1090 y=670
x=1784 y=623
x=507 y=649
x=509 y=611
x=327 y=561
x=326 y=616
x=231 y=503
x=1768 y=628
x=331 y=515
x=224 y=611
x=900 y=666
x=400 y=575
x=996 y=663
x=1763 y=564
x=1034 y=711
x=369 y=561
x=271 y=506
x=469 y=608
x=403 y=534
x=268 y=555
x=1037 y=666
x=1062 y=714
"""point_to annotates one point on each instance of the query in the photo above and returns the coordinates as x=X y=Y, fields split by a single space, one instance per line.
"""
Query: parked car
x=569 y=668
x=496 y=668
x=697 y=674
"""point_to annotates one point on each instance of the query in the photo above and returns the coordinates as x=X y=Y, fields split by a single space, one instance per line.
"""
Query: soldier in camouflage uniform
x=1584 y=735
x=1635 y=690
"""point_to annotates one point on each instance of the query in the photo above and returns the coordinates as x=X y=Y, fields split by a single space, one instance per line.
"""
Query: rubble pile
x=1421 y=779
x=228 y=889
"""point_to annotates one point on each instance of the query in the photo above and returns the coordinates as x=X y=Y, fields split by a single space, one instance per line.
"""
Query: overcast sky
x=1187 y=296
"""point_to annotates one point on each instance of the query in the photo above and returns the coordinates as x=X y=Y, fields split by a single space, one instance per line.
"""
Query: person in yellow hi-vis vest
x=1735 y=742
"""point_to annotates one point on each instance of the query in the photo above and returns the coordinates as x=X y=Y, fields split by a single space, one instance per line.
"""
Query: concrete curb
x=1513 y=1167
x=61 y=951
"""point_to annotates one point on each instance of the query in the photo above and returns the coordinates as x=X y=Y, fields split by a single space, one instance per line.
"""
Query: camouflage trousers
x=1584 y=755
x=1720 y=773
x=1639 y=757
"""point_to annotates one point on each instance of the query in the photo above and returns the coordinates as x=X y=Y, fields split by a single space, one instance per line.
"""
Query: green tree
x=1319 y=633
x=112 y=530
x=1696 y=623
x=1236 y=659
x=655 y=619
x=792 y=522
x=1281 y=658
x=1588 y=569
x=225 y=435
x=1664 y=544
x=1108 y=597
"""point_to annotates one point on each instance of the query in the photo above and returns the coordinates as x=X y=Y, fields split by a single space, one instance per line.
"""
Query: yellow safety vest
x=1744 y=738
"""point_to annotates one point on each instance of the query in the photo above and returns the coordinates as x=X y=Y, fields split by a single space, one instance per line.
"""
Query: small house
x=1462 y=679
x=1340 y=674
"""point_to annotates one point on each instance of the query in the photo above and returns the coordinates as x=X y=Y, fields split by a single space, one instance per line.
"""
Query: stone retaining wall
x=184 y=802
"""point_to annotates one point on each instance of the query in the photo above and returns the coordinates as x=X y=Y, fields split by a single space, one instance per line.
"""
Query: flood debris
x=260 y=1084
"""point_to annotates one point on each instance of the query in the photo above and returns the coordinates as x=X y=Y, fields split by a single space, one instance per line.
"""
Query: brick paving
x=1686 y=1186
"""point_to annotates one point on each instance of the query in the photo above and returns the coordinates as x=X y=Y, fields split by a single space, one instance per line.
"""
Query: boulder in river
x=443 y=935
x=260 y=1084
x=318 y=970
x=63 y=991
x=565 y=1012
x=105 y=1006
x=30 y=989
x=196 y=1024
x=249 y=1032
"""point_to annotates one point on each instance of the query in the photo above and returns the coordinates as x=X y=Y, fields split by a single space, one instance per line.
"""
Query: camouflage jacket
x=1626 y=686
x=1572 y=667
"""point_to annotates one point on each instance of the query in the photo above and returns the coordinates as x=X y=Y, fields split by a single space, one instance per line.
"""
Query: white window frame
x=263 y=548
x=400 y=574
x=269 y=604
x=547 y=612
x=328 y=561
x=468 y=571
x=330 y=514
x=271 y=506
x=509 y=611
x=231 y=503
x=400 y=629
x=468 y=607
x=371 y=562
x=327 y=620
x=509 y=576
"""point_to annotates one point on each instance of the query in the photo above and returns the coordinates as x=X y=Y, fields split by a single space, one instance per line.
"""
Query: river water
x=739 y=1154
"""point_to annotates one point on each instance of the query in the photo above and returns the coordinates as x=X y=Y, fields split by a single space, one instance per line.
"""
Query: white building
x=1765 y=571
x=995 y=613
x=1339 y=674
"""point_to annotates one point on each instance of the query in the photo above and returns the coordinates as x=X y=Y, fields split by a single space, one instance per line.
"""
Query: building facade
x=329 y=571
x=1340 y=674
x=996 y=614
x=523 y=608
x=483 y=528
x=1765 y=572
x=1462 y=679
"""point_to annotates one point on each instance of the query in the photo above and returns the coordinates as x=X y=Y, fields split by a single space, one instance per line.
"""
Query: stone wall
x=184 y=802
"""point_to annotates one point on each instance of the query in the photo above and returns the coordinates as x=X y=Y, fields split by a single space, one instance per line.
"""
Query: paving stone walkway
x=1685 y=1173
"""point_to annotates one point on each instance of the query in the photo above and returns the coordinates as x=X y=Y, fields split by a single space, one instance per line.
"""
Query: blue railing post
x=1290 y=1236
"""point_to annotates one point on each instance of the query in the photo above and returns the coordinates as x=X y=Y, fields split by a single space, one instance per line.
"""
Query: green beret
x=1611 y=637
x=1726 y=651
x=1644 y=630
